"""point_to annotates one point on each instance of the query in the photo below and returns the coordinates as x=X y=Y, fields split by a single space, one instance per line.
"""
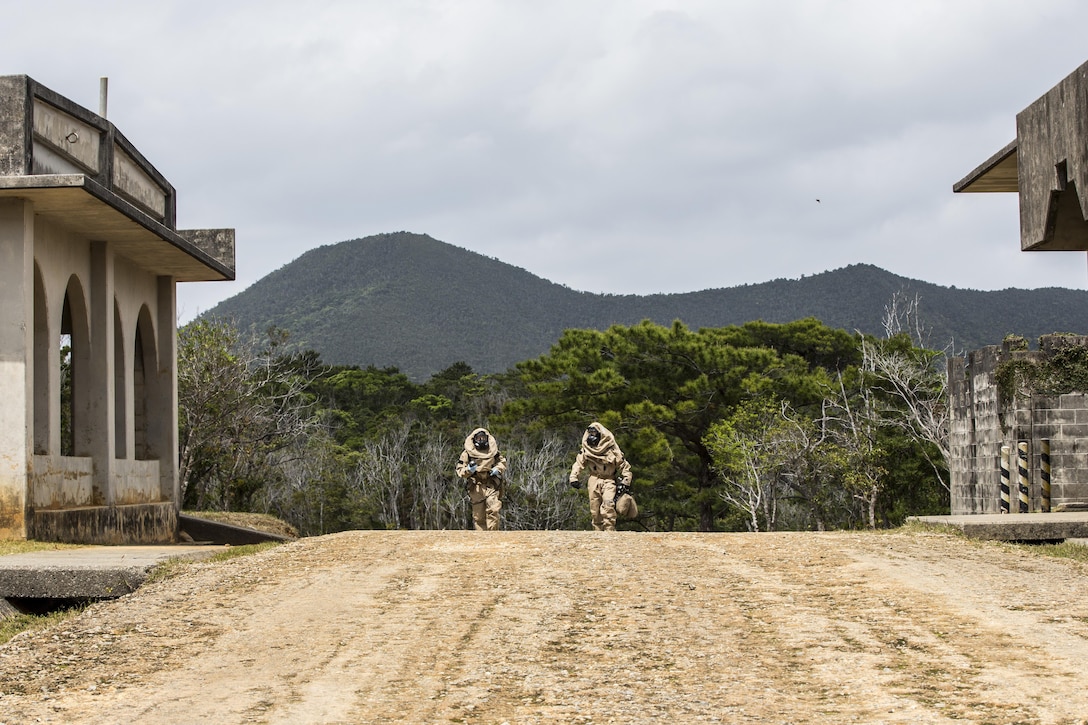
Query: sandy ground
x=580 y=627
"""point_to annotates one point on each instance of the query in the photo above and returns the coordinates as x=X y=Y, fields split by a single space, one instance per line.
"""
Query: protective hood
x=606 y=449
x=492 y=445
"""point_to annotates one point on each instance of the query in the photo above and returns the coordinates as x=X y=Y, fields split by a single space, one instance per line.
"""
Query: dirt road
x=535 y=627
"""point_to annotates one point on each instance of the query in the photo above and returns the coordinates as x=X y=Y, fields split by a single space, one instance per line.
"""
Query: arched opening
x=75 y=364
x=144 y=365
x=43 y=414
x=120 y=390
x=67 y=399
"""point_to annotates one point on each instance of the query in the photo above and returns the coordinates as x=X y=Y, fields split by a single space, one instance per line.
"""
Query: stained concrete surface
x=1057 y=526
x=93 y=572
x=105 y=572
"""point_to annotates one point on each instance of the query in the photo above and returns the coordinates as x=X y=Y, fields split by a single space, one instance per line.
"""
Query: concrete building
x=983 y=419
x=1047 y=166
x=90 y=256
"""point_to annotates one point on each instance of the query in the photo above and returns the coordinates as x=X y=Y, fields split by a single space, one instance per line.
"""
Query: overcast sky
x=626 y=146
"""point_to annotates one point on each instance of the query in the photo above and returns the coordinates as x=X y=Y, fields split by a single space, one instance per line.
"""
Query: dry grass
x=22 y=547
x=11 y=626
x=260 y=522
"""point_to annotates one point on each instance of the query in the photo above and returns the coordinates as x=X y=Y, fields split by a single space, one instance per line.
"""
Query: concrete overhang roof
x=85 y=207
x=997 y=173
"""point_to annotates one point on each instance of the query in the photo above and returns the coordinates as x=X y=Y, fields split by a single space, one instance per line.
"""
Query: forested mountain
x=418 y=304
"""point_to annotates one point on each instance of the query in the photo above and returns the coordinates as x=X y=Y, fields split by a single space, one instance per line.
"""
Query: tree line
x=758 y=427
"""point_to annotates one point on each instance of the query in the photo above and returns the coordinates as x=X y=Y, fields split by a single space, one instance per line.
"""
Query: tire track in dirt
x=873 y=652
x=544 y=627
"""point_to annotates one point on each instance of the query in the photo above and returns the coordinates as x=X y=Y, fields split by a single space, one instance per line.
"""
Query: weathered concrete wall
x=135 y=482
x=62 y=482
x=63 y=144
x=14 y=130
x=217 y=243
x=1053 y=167
x=981 y=424
x=110 y=525
x=16 y=377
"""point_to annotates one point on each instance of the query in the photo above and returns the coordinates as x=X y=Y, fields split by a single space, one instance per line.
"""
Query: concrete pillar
x=100 y=425
x=16 y=369
x=122 y=389
x=162 y=401
x=46 y=375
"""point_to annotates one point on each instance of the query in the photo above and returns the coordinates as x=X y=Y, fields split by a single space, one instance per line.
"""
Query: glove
x=621 y=489
x=575 y=484
x=496 y=473
x=472 y=467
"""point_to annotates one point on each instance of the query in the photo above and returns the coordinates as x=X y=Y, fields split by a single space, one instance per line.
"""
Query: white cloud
x=611 y=145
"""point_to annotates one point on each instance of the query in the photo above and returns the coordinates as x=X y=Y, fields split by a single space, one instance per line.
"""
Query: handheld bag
x=626 y=507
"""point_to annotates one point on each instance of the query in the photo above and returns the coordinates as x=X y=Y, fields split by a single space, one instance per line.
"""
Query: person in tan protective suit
x=609 y=474
x=484 y=471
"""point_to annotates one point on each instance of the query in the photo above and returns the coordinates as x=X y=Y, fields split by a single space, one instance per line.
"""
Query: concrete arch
x=145 y=364
x=75 y=329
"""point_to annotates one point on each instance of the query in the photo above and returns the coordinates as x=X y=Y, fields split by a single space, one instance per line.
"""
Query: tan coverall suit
x=606 y=466
x=484 y=472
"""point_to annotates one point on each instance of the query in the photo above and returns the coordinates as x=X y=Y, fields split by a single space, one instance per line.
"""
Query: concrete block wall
x=981 y=424
x=1064 y=421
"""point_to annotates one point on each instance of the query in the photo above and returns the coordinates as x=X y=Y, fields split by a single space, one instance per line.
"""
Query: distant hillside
x=410 y=301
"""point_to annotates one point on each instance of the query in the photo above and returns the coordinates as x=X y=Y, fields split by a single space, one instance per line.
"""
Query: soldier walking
x=484 y=469
x=609 y=474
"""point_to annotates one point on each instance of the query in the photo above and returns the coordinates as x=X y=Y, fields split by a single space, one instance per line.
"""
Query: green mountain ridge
x=413 y=302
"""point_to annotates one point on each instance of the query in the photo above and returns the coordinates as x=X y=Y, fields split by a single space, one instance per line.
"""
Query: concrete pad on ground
x=93 y=572
x=1016 y=527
